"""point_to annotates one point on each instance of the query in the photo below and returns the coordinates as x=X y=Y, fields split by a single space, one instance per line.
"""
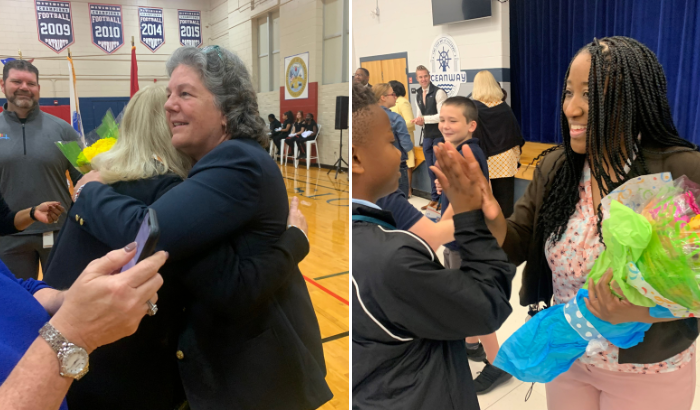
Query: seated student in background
x=288 y=121
x=297 y=129
x=308 y=133
x=275 y=130
x=458 y=117
x=409 y=312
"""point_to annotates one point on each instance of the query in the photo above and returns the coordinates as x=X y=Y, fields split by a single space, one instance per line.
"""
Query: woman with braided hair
x=616 y=125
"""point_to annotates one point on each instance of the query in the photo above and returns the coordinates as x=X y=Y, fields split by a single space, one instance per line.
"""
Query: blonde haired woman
x=144 y=165
x=143 y=149
x=499 y=137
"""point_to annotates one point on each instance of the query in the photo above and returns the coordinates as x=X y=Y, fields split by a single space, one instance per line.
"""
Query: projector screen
x=454 y=11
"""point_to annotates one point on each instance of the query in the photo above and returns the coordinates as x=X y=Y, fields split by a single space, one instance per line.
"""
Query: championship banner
x=296 y=80
x=151 y=27
x=54 y=21
x=107 y=26
x=190 y=27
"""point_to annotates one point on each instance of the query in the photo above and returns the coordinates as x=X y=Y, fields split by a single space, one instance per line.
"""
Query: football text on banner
x=151 y=27
x=54 y=21
x=190 y=27
x=107 y=26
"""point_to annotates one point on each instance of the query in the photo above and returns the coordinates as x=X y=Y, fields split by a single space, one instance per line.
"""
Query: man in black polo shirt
x=429 y=99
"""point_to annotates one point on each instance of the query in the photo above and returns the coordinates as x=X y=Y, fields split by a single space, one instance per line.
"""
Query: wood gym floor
x=325 y=202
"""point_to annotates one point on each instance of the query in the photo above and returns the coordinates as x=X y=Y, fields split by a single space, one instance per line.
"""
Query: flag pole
x=20 y=54
x=132 y=41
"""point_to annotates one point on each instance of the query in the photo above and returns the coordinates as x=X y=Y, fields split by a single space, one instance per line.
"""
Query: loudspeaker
x=341 y=112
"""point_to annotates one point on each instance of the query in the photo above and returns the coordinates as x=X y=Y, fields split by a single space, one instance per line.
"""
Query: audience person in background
x=405 y=303
x=297 y=129
x=308 y=133
x=97 y=310
x=458 y=121
x=403 y=108
x=287 y=122
x=361 y=77
x=386 y=98
x=13 y=222
x=505 y=94
x=499 y=136
x=616 y=126
x=429 y=99
x=32 y=168
x=275 y=131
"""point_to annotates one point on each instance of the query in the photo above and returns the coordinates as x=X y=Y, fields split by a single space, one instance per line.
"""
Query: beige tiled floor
x=511 y=395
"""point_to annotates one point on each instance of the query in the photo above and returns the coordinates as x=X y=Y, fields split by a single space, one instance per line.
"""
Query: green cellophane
x=626 y=235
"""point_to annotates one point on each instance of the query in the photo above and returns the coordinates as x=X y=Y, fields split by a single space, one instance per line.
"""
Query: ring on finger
x=152 y=308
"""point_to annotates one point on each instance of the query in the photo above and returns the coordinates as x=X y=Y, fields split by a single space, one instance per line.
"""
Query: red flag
x=134 y=72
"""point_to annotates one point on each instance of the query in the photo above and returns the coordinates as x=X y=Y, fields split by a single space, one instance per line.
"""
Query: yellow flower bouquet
x=108 y=133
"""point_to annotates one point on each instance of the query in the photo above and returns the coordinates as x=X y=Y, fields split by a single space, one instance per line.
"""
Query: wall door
x=383 y=71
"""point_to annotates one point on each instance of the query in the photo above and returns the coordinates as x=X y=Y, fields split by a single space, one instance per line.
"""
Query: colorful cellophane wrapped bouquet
x=651 y=230
x=98 y=141
x=651 y=227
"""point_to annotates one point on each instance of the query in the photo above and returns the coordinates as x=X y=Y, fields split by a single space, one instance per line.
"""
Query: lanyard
x=374 y=221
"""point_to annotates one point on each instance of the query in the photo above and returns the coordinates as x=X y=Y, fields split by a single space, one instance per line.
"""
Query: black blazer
x=250 y=341
x=139 y=371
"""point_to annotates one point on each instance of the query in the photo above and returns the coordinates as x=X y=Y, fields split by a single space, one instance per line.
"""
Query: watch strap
x=61 y=347
x=31 y=213
x=53 y=337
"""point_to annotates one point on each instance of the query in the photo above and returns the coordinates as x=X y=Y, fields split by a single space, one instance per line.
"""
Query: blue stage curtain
x=545 y=35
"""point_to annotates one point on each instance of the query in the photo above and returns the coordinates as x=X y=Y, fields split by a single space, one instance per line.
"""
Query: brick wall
x=297 y=35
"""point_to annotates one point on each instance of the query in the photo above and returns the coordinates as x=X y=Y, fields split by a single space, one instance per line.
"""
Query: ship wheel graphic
x=444 y=59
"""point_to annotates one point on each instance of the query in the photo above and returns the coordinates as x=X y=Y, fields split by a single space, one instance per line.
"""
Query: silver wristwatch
x=72 y=359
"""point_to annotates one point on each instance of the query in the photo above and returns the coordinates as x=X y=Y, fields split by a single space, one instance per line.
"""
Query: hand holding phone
x=146 y=239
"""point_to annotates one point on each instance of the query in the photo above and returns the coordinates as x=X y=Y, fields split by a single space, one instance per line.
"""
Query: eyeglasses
x=218 y=51
x=390 y=95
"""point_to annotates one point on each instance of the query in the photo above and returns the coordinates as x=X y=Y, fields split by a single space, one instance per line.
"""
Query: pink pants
x=586 y=387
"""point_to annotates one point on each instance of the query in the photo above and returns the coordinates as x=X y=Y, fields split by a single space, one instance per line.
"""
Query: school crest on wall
x=445 y=69
x=296 y=76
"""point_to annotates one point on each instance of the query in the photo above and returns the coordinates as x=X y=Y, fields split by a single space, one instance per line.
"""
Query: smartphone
x=146 y=239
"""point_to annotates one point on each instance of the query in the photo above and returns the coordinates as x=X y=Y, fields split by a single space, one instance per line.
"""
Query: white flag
x=76 y=120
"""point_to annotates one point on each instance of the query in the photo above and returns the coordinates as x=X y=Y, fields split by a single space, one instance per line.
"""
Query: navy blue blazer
x=261 y=348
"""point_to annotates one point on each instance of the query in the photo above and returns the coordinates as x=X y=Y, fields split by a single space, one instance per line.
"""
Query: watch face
x=75 y=360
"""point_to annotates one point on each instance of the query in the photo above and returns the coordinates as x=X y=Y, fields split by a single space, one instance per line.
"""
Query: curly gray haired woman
x=225 y=76
x=250 y=337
